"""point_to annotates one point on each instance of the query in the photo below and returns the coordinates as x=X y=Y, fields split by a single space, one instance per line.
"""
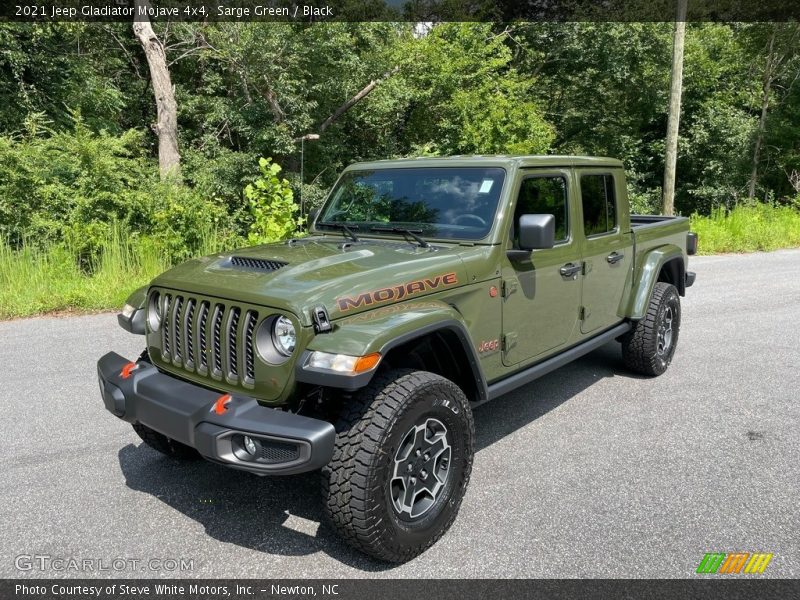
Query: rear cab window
x=599 y=204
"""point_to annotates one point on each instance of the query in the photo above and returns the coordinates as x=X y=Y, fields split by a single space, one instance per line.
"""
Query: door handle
x=614 y=257
x=570 y=270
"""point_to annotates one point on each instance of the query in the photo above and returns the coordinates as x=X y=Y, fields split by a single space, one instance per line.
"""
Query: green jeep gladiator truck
x=425 y=287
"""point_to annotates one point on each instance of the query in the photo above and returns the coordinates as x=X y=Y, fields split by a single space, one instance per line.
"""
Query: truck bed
x=652 y=231
x=645 y=220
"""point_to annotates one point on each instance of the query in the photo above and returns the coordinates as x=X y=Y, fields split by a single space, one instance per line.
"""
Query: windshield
x=458 y=203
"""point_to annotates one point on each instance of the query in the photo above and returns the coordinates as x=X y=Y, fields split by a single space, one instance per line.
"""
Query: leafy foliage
x=74 y=185
x=272 y=205
x=761 y=226
x=84 y=217
x=77 y=156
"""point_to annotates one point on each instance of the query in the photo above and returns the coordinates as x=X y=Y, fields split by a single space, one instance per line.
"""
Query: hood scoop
x=254 y=264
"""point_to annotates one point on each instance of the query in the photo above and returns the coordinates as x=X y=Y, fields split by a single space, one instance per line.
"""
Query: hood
x=344 y=277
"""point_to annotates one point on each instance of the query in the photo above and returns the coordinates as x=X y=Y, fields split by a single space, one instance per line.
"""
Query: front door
x=607 y=254
x=540 y=302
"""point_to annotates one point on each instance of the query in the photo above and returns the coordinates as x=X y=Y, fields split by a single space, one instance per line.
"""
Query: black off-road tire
x=165 y=445
x=359 y=483
x=643 y=348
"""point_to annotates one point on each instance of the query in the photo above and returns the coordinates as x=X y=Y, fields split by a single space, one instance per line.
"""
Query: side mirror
x=312 y=216
x=537 y=232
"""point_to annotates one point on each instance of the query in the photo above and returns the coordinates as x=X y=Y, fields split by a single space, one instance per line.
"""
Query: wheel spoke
x=409 y=495
x=442 y=465
x=437 y=447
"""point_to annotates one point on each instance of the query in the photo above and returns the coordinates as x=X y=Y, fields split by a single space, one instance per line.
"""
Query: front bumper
x=288 y=443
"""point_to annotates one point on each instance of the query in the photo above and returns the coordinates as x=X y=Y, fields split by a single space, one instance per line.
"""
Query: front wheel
x=401 y=464
x=649 y=347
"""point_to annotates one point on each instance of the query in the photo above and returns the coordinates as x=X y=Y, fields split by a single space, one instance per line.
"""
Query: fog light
x=250 y=445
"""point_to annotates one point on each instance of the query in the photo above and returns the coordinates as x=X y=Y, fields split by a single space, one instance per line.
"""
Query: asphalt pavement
x=589 y=472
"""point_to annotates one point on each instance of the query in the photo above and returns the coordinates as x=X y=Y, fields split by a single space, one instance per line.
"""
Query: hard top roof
x=498 y=160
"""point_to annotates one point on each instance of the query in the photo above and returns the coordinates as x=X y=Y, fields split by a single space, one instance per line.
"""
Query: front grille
x=259 y=264
x=209 y=338
x=278 y=452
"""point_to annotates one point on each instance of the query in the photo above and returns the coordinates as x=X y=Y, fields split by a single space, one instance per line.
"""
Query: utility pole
x=673 y=121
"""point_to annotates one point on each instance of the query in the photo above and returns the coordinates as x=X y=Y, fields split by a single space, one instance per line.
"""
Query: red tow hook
x=221 y=405
x=126 y=370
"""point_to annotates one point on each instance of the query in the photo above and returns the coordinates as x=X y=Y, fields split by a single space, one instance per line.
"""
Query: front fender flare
x=381 y=330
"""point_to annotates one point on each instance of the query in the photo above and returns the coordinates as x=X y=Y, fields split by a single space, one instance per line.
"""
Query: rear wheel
x=401 y=464
x=649 y=347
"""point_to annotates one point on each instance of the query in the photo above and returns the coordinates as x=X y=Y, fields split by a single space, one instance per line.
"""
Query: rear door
x=540 y=304
x=607 y=246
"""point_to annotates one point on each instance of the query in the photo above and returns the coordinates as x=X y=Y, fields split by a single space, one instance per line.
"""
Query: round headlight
x=284 y=336
x=154 y=311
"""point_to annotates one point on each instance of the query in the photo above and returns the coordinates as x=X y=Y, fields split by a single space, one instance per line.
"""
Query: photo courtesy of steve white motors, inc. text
x=212 y=10
x=172 y=589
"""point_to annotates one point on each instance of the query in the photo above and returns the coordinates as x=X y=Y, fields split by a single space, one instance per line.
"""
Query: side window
x=544 y=196
x=599 y=204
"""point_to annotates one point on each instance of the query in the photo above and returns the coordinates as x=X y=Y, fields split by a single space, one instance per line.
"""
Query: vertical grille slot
x=202 y=323
x=249 y=331
x=232 y=343
x=216 y=341
x=165 y=327
x=188 y=333
x=177 y=343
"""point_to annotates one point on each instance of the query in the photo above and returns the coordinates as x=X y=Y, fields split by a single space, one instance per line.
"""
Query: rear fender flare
x=654 y=261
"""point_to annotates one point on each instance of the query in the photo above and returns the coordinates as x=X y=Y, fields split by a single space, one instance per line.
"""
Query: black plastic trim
x=691 y=243
x=690 y=277
x=463 y=336
x=515 y=255
x=559 y=360
x=353 y=382
x=184 y=412
x=485 y=392
x=134 y=323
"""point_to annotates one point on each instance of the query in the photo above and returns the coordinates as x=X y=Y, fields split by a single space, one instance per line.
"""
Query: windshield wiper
x=410 y=232
x=346 y=229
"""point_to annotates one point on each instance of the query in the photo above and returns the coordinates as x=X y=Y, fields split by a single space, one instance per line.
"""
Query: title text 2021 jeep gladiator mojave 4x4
x=426 y=287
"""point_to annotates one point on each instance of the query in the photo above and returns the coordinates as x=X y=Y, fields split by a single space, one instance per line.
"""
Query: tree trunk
x=673 y=120
x=166 y=126
x=762 y=121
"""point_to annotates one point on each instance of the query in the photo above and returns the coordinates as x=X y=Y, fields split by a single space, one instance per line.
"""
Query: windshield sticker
x=397 y=292
x=486 y=186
